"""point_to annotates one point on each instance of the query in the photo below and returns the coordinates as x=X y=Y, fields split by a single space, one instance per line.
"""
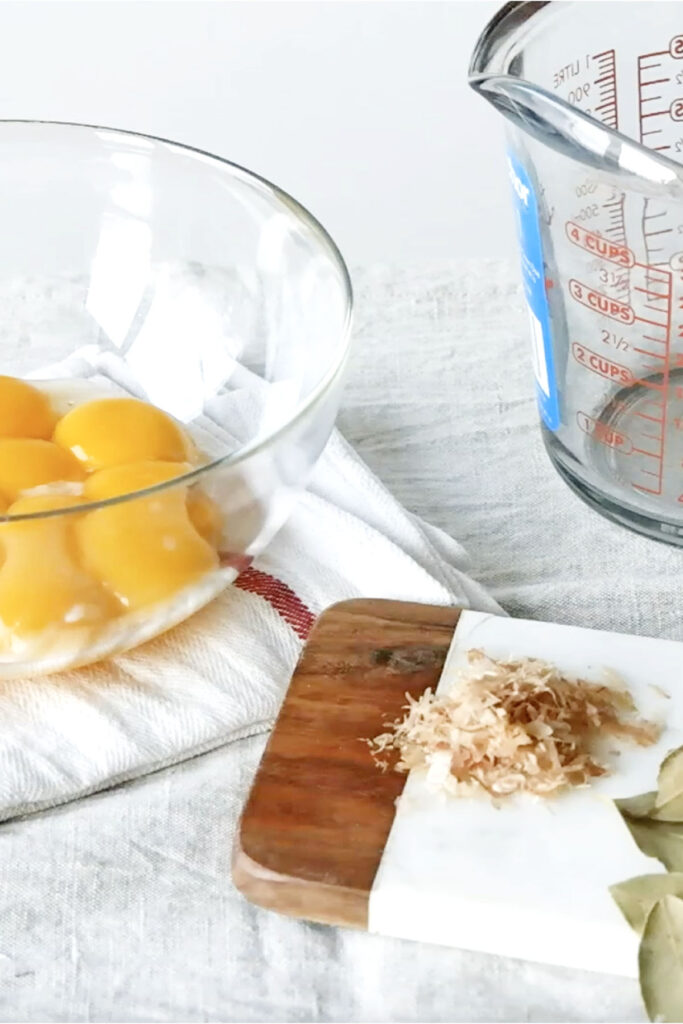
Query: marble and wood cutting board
x=321 y=837
x=319 y=812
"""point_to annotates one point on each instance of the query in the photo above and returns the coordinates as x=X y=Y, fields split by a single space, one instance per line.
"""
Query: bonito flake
x=510 y=727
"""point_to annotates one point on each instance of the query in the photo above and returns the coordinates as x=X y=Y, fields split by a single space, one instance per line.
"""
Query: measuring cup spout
x=541 y=116
x=496 y=74
x=576 y=135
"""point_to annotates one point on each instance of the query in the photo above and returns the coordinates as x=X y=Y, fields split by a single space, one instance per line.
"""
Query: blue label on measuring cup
x=533 y=277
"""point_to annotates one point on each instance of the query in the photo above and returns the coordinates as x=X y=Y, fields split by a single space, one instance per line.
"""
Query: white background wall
x=359 y=108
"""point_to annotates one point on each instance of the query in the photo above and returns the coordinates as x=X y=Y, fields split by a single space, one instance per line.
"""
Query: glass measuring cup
x=593 y=96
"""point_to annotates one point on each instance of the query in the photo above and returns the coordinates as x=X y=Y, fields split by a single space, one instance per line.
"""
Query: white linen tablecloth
x=120 y=907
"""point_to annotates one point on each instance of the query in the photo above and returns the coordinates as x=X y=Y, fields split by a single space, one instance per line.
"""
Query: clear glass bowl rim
x=298 y=211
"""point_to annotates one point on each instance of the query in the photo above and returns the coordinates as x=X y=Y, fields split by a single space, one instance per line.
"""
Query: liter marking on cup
x=589 y=82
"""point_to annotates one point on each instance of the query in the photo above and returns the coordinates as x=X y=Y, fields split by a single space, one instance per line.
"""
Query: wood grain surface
x=319 y=812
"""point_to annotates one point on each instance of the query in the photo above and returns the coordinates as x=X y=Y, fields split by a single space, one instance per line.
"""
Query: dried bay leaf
x=653 y=904
x=669 y=799
x=636 y=897
x=660 y=839
x=637 y=806
x=660 y=960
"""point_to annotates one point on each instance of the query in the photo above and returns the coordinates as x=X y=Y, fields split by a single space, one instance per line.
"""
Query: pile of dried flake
x=509 y=727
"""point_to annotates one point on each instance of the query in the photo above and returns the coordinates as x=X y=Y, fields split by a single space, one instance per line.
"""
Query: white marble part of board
x=530 y=879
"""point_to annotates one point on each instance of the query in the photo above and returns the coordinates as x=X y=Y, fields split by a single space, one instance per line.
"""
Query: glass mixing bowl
x=130 y=265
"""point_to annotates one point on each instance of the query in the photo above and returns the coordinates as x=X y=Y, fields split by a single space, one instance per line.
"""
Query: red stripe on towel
x=280 y=597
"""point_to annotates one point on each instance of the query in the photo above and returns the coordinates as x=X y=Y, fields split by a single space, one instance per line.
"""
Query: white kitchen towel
x=221 y=675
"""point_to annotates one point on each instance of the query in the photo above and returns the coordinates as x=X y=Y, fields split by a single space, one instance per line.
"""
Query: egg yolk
x=27 y=462
x=24 y=410
x=85 y=568
x=115 y=431
x=41 y=582
x=116 y=480
x=205 y=516
x=146 y=549
x=135 y=476
x=32 y=504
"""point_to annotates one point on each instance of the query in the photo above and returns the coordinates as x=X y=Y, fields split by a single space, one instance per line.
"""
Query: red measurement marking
x=605 y=88
x=604 y=434
x=646 y=490
x=646 y=352
x=598 y=245
x=649 y=385
x=646 y=291
x=600 y=303
x=652 y=323
x=653 y=419
x=646 y=95
x=600 y=365
x=663 y=280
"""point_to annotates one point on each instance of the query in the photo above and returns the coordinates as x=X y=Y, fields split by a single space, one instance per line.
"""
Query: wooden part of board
x=319 y=811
